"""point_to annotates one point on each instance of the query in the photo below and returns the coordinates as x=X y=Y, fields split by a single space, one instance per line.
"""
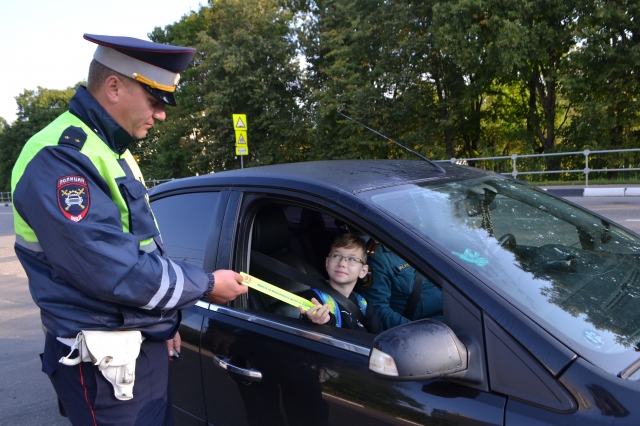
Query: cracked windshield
x=573 y=273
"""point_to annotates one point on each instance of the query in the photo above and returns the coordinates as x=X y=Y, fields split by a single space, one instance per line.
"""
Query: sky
x=41 y=41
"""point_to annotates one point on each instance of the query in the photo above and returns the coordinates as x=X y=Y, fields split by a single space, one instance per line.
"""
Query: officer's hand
x=318 y=314
x=173 y=346
x=227 y=286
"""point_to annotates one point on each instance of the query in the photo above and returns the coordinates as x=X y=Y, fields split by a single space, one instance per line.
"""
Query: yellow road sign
x=239 y=121
x=241 y=138
x=240 y=126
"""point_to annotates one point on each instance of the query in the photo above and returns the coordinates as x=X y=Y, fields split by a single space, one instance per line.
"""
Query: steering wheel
x=508 y=239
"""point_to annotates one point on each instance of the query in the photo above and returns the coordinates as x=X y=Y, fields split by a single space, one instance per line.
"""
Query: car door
x=185 y=219
x=263 y=368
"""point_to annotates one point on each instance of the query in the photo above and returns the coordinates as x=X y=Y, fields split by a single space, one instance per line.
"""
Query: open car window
x=285 y=238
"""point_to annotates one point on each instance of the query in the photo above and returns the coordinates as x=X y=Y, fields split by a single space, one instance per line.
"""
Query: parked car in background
x=541 y=300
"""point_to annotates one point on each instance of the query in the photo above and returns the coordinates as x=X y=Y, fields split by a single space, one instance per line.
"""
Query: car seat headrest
x=270 y=230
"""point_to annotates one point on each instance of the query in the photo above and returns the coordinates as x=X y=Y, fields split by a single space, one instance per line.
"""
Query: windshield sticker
x=471 y=256
x=594 y=338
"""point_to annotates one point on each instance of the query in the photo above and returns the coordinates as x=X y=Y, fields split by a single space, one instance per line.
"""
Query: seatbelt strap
x=414 y=298
x=291 y=273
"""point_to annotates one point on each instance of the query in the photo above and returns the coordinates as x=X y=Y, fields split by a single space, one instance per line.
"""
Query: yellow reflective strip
x=149 y=246
x=275 y=292
x=151 y=83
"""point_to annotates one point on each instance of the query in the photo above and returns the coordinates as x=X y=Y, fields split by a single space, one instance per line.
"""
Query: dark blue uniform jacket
x=90 y=274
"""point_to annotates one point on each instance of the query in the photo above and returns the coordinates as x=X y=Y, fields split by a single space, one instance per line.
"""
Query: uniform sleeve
x=380 y=291
x=80 y=231
x=430 y=300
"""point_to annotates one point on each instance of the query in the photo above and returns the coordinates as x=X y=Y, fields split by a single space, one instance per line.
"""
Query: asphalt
x=27 y=397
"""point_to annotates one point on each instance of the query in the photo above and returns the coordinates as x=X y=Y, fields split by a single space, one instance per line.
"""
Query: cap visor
x=161 y=95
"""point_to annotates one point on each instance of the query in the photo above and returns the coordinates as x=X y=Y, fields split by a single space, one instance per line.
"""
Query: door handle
x=246 y=373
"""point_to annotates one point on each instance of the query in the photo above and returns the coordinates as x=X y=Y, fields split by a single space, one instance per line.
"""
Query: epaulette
x=73 y=136
x=372 y=246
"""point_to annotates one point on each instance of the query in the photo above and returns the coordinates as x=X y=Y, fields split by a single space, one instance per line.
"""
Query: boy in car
x=345 y=264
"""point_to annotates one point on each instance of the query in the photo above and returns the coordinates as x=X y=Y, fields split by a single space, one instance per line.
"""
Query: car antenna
x=437 y=167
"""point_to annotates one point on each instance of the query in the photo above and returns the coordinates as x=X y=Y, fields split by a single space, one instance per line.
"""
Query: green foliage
x=376 y=63
x=246 y=64
x=36 y=109
x=515 y=44
x=604 y=77
x=463 y=78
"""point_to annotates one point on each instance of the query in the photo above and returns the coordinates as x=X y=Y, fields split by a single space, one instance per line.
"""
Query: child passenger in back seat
x=345 y=263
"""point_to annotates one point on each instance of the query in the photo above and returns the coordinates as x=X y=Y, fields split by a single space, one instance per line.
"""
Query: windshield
x=573 y=273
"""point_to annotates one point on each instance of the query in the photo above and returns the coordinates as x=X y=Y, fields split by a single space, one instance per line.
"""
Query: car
x=541 y=300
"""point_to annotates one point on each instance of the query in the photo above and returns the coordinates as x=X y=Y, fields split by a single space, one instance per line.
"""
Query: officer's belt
x=35 y=246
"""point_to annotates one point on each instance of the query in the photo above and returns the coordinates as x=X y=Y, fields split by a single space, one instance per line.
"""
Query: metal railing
x=5 y=197
x=150 y=183
x=586 y=153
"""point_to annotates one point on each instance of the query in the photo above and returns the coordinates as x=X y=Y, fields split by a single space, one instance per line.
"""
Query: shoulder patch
x=73 y=197
x=401 y=267
x=73 y=136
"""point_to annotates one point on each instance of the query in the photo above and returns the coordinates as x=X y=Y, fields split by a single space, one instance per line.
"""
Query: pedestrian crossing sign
x=240 y=122
x=241 y=138
x=242 y=141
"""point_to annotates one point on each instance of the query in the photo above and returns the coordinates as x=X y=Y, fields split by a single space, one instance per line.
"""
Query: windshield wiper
x=623 y=289
x=630 y=370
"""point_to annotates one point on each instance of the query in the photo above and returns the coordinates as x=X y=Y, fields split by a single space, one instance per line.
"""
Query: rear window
x=185 y=223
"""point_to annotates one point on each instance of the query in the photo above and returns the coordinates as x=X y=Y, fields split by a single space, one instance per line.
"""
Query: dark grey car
x=540 y=300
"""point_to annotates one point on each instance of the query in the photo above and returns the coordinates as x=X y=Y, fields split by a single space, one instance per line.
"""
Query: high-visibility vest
x=112 y=167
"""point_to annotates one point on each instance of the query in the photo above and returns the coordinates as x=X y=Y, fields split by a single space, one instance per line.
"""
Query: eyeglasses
x=337 y=258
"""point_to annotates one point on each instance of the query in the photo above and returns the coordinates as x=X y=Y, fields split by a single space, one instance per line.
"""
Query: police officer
x=395 y=291
x=87 y=238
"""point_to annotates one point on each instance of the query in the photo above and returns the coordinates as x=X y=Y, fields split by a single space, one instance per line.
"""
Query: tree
x=36 y=109
x=516 y=44
x=373 y=62
x=246 y=63
x=445 y=78
x=603 y=81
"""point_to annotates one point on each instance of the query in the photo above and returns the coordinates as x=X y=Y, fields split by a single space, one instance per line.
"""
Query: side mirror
x=419 y=350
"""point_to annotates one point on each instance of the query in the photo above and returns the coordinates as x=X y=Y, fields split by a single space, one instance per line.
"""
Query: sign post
x=242 y=142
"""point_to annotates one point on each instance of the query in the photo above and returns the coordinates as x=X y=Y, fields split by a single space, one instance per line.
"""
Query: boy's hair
x=350 y=241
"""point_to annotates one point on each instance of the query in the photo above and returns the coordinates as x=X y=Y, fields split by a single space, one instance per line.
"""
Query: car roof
x=350 y=175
